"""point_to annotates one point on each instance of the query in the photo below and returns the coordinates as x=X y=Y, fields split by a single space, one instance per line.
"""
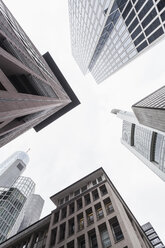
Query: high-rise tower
x=12 y=168
x=150 y=111
x=146 y=143
x=152 y=235
x=107 y=34
x=33 y=91
x=17 y=201
x=90 y=213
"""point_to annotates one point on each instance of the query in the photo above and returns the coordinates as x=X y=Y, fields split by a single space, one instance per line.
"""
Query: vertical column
x=30 y=244
x=49 y=232
x=110 y=232
x=86 y=240
x=99 y=243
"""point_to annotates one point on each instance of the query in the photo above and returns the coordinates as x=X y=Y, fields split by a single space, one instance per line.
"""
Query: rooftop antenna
x=28 y=150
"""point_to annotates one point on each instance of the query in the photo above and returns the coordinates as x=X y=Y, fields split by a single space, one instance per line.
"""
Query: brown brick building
x=33 y=92
x=90 y=213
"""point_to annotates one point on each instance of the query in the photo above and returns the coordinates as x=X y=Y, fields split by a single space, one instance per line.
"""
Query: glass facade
x=105 y=35
x=152 y=235
x=12 y=203
x=149 y=144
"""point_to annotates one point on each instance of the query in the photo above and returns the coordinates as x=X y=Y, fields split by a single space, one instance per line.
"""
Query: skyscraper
x=152 y=235
x=90 y=213
x=17 y=200
x=150 y=111
x=146 y=143
x=32 y=212
x=12 y=168
x=33 y=91
x=107 y=34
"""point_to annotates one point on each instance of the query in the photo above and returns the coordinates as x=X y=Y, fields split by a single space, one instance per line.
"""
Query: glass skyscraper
x=152 y=235
x=107 y=34
x=146 y=143
x=12 y=168
x=16 y=194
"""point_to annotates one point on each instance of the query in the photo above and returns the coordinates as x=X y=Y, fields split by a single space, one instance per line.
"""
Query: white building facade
x=107 y=34
x=146 y=143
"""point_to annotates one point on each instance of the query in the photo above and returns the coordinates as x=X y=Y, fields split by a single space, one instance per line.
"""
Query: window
x=81 y=241
x=116 y=230
x=61 y=201
x=84 y=188
x=71 y=227
x=70 y=244
x=155 y=241
x=99 y=211
x=104 y=236
x=2 y=87
x=67 y=198
x=63 y=213
x=155 y=35
x=108 y=206
x=71 y=208
x=62 y=232
x=93 y=239
x=79 y=203
x=87 y=199
x=149 y=231
x=77 y=192
x=99 y=179
x=94 y=182
x=103 y=190
x=80 y=220
x=53 y=237
x=95 y=195
x=90 y=218
x=20 y=166
x=152 y=236
x=56 y=217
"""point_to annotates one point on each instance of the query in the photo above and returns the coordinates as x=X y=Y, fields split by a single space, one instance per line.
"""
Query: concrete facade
x=150 y=111
x=30 y=92
x=90 y=213
x=108 y=34
x=146 y=143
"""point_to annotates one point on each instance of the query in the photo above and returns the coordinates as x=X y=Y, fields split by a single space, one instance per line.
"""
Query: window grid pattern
x=12 y=202
x=86 y=21
x=20 y=35
x=140 y=24
x=89 y=215
x=160 y=151
x=142 y=141
x=152 y=236
x=135 y=25
x=126 y=132
x=155 y=100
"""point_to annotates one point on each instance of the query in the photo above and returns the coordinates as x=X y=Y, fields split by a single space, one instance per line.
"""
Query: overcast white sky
x=89 y=136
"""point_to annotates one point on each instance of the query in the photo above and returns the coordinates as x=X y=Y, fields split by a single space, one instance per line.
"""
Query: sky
x=88 y=136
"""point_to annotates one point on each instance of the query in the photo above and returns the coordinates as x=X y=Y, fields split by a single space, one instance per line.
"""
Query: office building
x=107 y=34
x=12 y=204
x=32 y=212
x=12 y=168
x=150 y=111
x=17 y=199
x=33 y=91
x=89 y=213
x=146 y=143
x=152 y=235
